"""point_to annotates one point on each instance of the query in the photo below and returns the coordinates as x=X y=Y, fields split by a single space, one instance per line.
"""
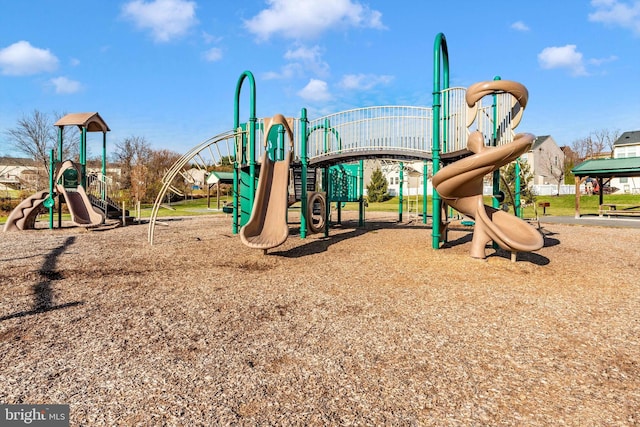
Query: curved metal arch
x=177 y=168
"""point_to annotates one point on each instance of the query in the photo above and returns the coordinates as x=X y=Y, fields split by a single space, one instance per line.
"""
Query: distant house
x=628 y=145
x=18 y=173
x=546 y=161
x=196 y=178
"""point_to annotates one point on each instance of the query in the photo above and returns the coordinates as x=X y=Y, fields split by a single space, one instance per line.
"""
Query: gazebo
x=603 y=170
x=217 y=178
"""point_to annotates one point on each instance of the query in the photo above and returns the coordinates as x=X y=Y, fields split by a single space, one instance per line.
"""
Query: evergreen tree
x=508 y=182
x=377 y=190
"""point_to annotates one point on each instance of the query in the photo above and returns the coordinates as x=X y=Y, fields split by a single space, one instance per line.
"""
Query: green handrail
x=440 y=52
x=251 y=144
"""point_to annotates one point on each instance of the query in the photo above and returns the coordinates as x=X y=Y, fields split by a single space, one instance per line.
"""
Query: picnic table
x=620 y=209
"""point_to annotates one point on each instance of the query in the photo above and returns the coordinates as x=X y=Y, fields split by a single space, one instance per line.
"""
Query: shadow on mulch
x=43 y=294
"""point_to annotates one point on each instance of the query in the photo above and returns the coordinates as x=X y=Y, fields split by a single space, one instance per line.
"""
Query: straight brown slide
x=267 y=226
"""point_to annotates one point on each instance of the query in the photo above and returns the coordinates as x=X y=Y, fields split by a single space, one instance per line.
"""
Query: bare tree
x=131 y=152
x=594 y=145
x=556 y=169
x=604 y=139
x=35 y=136
x=160 y=162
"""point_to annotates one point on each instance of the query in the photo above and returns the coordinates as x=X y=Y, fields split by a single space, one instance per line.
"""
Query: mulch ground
x=368 y=327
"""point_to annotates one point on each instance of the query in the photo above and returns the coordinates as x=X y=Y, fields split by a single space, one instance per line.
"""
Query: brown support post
x=578 y=181
x=600 y=191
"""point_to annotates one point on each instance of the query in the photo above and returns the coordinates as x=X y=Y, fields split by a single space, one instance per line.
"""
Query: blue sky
x=166 y=70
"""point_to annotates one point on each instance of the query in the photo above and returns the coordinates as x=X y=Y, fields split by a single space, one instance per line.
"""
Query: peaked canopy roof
x=607 y=168
x=220 y=177
x=91 y=121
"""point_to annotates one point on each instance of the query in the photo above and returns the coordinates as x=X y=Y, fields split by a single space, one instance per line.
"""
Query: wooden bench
x=618 y=209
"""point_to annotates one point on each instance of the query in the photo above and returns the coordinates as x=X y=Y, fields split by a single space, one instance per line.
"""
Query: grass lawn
x=559 y=206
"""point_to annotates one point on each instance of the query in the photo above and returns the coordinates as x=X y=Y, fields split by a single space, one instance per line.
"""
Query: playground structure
x=86 y=195
x=334 y=148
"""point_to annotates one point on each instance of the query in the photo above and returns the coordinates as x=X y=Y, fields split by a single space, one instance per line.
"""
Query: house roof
x=631 y=137
x=91 y=121
x=539 y=141
x=606 y=168
x=17 y=161
x=220 y=177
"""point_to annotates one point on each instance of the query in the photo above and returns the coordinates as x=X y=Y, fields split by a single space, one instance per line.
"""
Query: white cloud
x=617 y=13
x=214 y=54
x=307 y=19
x=66 y=86
x=165 y=18
x=520 y=26
x=287 y=71
x=600 y=61
x=563 y=57
x=210 y=38
x=315 y=90
x=22 y=59
x=309 y=58
x=302 y=60
x=364 y=81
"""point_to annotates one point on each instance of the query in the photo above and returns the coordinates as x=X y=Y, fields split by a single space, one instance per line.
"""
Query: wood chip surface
x=368 y=327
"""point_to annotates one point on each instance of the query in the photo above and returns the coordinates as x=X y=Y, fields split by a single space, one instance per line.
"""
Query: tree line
x=141 y=167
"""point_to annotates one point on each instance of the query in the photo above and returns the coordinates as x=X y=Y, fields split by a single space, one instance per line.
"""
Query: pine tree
x=508 y=174
x=377 y=190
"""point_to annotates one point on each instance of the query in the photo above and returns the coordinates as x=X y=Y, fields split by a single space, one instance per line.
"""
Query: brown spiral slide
x=460 y=184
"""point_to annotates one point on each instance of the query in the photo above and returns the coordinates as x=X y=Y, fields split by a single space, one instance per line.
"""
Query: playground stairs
x=297 y=180
x=111 y=208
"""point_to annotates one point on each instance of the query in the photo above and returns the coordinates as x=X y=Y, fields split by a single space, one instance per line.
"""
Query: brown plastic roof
x=91 y=121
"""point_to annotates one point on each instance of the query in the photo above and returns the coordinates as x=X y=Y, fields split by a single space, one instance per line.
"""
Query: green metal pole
x=361 y=194
x=517 y=201
x=440 y=51
x=52 y=171
x=60 y=147
x=496 y=174
x=252 y=163
x=325 y=186
x=104 y=165
x=425 y=192
x=304 y=159
x=400 y=192
x=83 y=158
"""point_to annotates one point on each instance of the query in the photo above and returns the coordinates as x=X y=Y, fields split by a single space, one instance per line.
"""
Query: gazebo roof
x=91 y=121
x=606 y=168
x=220 y=177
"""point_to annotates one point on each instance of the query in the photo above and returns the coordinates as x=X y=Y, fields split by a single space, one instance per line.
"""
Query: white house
x=413 y=178
x=21 y=174
x=628 y=145
x=546 y=161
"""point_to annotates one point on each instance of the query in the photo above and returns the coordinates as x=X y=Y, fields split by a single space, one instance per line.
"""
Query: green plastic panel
x=343 y=183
